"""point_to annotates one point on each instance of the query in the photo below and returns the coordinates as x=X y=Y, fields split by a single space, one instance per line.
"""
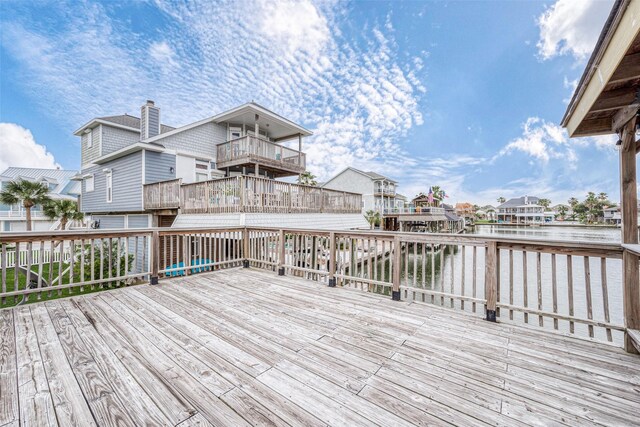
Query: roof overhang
x=278 y=127
x=138 y=146
x=608 y=94
x=95 y=122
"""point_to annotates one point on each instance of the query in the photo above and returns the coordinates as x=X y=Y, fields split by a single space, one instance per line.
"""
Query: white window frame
x=109 y=186
x=90 y=138
x=89 y=178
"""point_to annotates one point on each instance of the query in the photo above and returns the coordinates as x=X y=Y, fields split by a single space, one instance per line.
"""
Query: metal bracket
x=395 y=295
x=491 y=315
x=281 y=271
x=245 y=263
x=332 y=283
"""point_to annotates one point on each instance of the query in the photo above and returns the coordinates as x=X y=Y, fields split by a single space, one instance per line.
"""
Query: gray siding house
x=378 y=192
x=122 y=154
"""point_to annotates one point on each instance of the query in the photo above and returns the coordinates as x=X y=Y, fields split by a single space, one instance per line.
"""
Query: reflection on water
x=550 y=232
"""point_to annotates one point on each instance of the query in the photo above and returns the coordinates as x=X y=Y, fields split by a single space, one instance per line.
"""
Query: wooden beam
x=593 y=127
x=614 y=99
x=629 y=212
x=628 y=69
x=623 y=116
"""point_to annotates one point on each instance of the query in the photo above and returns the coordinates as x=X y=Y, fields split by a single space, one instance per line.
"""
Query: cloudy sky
x=465 y=95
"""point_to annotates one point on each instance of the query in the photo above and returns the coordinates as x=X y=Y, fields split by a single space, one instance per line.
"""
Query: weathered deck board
x=248 y=347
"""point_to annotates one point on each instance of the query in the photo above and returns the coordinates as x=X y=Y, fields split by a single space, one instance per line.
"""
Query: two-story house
x=378 y=191
x=221 y=170
x=523 y=210
x=61 y=186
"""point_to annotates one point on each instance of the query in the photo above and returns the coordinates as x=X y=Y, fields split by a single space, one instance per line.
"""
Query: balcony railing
x=251 y=194
x=420 y=210
x=251 y=150
x=384 y=192
x=162 y=195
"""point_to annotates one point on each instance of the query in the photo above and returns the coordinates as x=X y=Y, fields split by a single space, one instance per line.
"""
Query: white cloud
x=571 y=27
x=163 y=54
x=18 y=148
x=359 y=95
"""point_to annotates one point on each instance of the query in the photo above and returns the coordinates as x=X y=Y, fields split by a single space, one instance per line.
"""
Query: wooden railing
x=420 y=210
x=251 y=149
x=162 y=195
x=251 y=194
x=566 y=287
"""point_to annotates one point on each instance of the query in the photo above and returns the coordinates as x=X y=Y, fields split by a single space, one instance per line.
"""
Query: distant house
x=466 y=211
x=454 y=221
x=378 y=191
x=523 y=210
x=612 y=215
x=61 y=186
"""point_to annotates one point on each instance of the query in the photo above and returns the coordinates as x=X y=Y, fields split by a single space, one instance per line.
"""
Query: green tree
x=63 y=210
x=603 y=197
x=28 y=193
x=545 y=203
x=501 y=200
x=573 y=201
x=307 y=178
x=562 y=211
x=373 y=218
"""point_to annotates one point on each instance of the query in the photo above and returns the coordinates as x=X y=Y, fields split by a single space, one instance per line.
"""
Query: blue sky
x=465 y=95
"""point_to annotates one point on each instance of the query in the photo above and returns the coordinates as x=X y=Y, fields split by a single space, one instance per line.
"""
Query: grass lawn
x=47 y=294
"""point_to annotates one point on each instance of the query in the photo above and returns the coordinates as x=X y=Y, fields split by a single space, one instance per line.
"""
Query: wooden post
x=281 y=253
x=332 y=259
x=491 y=279
x=155 y=256
x=245 y=248
x=397 y=268
x=629 y=211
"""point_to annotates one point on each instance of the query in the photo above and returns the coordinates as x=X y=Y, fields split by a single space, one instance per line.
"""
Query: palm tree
x=26 y=192
x=64 y=210
x=501 y=200
x=562 y=211
x=307 y=178
x=372 y=218
x=573 y=202
x=603 y=197
x=438 y=194
x=544 y=203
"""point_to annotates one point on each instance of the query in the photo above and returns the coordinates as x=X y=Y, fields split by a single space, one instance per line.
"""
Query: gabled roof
x=123 y=121
x=371 y=175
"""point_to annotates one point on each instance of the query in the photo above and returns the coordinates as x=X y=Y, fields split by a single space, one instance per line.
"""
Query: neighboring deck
x=244 y=346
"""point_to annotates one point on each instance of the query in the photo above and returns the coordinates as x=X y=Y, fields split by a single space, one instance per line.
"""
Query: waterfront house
x=221 y=170
x=61 y=186
x=523 y=210
x=611 y=215
x=378 y=191
x=466 y=210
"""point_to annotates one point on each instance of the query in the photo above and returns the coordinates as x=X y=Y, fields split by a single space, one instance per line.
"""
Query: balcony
x=412 y=210
x=384 y=191
x=248 y=194
x=249 y=151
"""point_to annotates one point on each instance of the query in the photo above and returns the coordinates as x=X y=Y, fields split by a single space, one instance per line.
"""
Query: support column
x=397 y=268
x=491 y=279
x=332 y=259
x=155 y=256
x=281 y=253
x=629 y=213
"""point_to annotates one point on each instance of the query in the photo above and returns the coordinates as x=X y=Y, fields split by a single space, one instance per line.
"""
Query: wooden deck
x=246 y=347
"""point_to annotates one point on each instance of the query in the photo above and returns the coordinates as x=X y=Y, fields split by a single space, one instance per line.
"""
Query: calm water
x=447 y=276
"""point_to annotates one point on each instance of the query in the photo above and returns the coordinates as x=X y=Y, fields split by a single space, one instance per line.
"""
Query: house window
x=202 y=170
x=201 y=177
x=109 y=177
x=90 y=138
x=88 y=184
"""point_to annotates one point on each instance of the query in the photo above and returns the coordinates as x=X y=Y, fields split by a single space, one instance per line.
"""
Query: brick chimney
x=149 y=120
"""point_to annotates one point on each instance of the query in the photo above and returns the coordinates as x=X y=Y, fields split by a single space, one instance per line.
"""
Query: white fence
x=23 y=258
